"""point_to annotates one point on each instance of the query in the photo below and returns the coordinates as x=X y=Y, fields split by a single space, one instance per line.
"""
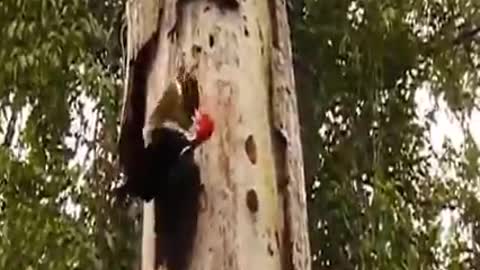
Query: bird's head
x=204 y=126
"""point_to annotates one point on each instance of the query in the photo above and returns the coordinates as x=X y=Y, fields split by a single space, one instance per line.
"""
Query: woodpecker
x=160 y=165
x=175 y=136
x=169 y=149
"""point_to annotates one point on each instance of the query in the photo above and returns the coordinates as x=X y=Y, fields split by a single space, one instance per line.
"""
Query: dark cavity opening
x=190 y=93
x=211 y=41
x=251 y=149
x=252 y=201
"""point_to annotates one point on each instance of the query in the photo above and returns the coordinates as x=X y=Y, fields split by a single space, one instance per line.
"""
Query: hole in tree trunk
x=227 y=4
x=190 y=93
x=211 y=41
x=251 y=149
x=270 y=249
x=196 y=50
x=252 y=201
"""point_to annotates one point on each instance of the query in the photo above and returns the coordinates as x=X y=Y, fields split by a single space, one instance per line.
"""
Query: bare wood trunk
x=253 y=213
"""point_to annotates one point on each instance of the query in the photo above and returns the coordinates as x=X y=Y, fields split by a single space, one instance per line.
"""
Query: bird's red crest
x=204 y=126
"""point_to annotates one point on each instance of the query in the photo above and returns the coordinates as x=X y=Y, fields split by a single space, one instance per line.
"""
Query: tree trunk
x=253 y=205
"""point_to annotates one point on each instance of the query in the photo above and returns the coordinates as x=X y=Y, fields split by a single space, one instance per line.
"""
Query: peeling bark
x=253 y=213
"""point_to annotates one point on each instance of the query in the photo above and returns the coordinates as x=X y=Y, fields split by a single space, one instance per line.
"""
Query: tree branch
x=466 y=35
x=10 y=129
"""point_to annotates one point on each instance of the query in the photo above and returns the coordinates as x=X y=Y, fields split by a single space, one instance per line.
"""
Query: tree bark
x=253 y=205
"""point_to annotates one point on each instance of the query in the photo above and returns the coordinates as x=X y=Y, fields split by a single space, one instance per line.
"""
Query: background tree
x=59 y=99
x=377 y=185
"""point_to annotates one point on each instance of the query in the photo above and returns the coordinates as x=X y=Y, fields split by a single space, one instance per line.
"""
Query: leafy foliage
x=375 y=197
x=59 y=99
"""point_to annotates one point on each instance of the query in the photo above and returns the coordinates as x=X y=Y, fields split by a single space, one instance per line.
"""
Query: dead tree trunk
x=253 y=205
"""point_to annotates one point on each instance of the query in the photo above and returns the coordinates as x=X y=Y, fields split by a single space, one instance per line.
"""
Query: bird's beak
x=196 y=115
x=178 y=86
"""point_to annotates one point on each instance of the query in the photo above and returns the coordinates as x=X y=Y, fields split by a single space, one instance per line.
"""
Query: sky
x=447 y=127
